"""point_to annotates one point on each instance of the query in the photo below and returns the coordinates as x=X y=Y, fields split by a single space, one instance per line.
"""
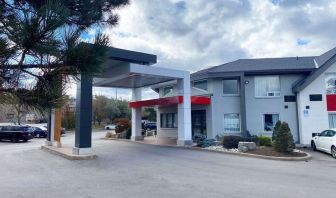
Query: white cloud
x=194 y=34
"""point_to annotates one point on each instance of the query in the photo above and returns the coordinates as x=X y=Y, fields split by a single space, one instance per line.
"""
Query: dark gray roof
x=312 y=66
x=320 y=60
x=263 y=64
x=324 y=61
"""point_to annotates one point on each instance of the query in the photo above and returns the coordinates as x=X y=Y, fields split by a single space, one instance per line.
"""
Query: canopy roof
x=129 y=69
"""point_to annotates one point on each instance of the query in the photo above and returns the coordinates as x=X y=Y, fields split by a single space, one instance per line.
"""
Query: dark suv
x=16 y=133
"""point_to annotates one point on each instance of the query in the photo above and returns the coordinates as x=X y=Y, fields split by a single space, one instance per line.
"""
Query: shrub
x=108 y=135
x=232 y=141
x=129 y=133
x=122 y=124
x=203 y=142
x=265 y=141
x=284 y=141
x=276 y=129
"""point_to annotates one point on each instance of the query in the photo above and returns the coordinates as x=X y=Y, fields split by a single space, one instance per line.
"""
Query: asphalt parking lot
x=125 y=169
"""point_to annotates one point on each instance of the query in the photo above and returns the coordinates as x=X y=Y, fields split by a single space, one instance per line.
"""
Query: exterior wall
x=317 y=118
x=257 y=107
x=220 y=105
x=165 y=132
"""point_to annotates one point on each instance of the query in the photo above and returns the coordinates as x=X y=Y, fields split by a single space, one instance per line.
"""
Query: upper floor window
x=201 y=84
x=167 y=90
x=267 y=86
x=230 y=87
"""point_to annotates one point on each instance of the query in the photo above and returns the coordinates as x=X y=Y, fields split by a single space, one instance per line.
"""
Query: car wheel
x=14 y=139
x=313 y=146
x=333 y=151
x=107 y=128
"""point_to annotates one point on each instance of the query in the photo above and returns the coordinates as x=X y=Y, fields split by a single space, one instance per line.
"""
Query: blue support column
x=83 y=134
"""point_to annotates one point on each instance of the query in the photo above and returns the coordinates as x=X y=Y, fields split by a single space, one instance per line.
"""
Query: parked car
x=150 y=126
x=16 y=133
x=325 y=141
x=40 y=131
x=110 y=127
x=63 y=131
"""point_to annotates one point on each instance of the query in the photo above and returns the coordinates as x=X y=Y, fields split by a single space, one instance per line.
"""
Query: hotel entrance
x=198 y=123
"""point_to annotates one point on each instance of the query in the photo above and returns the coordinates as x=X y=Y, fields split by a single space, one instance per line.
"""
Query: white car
x=325 y=141
x=110 y=127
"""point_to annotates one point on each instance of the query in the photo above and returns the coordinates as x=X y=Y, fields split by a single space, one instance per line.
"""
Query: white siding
x=317 y=119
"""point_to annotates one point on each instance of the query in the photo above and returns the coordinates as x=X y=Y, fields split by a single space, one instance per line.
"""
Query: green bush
x=129 y=133
x=232 y=141
x=284 y=141
x=265 y=141
x=203 y=142
x=276 y=129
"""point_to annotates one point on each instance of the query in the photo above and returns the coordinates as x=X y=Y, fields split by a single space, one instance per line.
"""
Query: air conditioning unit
x=273 y=93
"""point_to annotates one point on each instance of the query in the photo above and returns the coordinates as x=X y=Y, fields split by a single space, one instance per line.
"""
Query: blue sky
x=194 y=34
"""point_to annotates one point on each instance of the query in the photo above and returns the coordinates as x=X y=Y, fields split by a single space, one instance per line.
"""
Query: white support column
x=184 y=112
x=136 y=116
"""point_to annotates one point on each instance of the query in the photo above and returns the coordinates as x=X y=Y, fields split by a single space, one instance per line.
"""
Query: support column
x=57 y=127
x=83 y=133
x=243 y=105
x=136 y=116
x=184 y=112
x=51 y=128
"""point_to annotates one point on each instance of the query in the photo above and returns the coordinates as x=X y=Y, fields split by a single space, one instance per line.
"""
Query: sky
x=195 y=34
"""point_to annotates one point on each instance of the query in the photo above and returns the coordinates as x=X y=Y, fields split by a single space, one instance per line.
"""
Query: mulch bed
x=269 y=151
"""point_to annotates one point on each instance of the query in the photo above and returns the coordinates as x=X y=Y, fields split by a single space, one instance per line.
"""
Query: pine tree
x=41 y=49
x=284 y=141
x=276 y=129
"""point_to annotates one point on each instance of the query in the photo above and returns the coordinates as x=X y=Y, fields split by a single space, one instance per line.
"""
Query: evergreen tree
x=284 y=141
x=276 y=129
x=41 y=49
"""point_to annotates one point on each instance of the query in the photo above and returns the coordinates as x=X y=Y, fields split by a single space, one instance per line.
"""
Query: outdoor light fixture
x=247 y=82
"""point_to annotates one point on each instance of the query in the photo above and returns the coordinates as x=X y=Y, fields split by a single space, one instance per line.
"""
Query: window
x=324 y=133
x=167 y=90
x=202 y=84
x=168 y=120
x=331 y=133
x=267 y=86
x=315 y=97
x=230 y=87
x=332 y=120
x=269 y=121
x=231 y=123
x=290 y=98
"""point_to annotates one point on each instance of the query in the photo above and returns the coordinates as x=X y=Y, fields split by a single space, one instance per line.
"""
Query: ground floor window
x=269 y=121
x=168 y=120
x=231 y=122
x=332 y=120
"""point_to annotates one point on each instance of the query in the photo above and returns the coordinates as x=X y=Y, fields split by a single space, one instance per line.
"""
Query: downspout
x=297 y=118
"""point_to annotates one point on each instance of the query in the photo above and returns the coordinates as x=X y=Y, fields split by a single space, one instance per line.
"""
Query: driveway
x=125 y=169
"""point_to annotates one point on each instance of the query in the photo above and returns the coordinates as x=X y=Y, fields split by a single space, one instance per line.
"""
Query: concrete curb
x=305 y=158
x=68 y=156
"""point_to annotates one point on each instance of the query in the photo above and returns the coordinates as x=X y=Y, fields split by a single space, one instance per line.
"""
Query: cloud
x=195 y=34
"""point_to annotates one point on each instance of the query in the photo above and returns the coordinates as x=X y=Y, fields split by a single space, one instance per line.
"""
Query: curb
x=305 y=158
x=68 y=156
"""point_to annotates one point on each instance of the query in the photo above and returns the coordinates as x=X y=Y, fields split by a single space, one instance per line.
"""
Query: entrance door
x=198 y=123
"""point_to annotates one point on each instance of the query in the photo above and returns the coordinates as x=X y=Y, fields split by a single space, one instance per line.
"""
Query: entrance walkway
x=159 y=141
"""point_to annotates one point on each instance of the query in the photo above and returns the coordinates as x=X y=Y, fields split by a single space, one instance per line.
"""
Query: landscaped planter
x=265 y=153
